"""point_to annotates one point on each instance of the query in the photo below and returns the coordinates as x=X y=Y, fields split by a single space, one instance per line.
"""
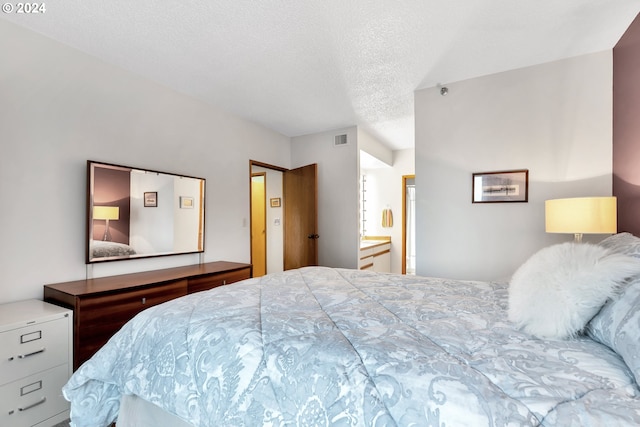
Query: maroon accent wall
x=112 y=187
x=626 y=128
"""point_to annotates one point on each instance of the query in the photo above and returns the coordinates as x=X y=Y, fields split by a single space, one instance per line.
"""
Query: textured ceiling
x=303 y=66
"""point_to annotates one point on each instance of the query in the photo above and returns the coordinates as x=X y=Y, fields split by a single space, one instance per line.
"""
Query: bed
x=323 y=346
x=105 y=249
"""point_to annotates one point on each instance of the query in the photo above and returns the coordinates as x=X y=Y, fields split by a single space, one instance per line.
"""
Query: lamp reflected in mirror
x=106 y=213
x=581 y=215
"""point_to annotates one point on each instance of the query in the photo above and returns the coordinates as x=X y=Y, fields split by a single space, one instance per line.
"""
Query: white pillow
x=617 y=326
x=625 y=243
x=560 y=288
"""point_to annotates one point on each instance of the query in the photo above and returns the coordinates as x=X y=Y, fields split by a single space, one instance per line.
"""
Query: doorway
x=290 y=218
x=408 y=224
x=259 y=223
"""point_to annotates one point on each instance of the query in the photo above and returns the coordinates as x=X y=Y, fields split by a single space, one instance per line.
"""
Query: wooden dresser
x=102 y=306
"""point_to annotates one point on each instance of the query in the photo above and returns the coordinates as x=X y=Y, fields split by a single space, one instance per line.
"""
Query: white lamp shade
x=581 y=215
x=106 y=212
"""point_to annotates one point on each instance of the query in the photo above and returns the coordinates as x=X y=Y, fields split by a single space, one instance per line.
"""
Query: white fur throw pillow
x=560 y=288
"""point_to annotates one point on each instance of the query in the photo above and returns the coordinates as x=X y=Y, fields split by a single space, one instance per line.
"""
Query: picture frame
x=186 y=202
x=151 y=199
x=275 y=202
x=511 y=186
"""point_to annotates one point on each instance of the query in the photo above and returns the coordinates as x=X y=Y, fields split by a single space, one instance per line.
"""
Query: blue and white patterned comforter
x=320 y=346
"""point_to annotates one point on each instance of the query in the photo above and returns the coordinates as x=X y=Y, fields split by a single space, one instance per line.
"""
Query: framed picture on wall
x=500 y=187
x=186 y=202
x=151 y=199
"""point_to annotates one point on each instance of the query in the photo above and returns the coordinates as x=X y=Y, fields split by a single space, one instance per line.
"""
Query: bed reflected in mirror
x=137 y=213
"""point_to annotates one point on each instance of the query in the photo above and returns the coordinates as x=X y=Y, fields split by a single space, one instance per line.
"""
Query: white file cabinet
x=35 y=362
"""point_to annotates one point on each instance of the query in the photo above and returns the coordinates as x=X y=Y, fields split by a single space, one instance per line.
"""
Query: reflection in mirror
x=137 y=213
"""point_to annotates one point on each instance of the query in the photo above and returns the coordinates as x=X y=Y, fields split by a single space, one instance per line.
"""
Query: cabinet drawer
x=381 y=249
x=210 y=281
x=32 y=399
x=33 y=348
x=364 y=253
x=101 y=316
x=365 y=263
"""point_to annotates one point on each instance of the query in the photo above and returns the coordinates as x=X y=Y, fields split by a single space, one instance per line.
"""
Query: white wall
x=60 y=107
x=337 y=193
x=368 y=143
x=187 y=219
x=554 y=119
x=152 y=229
x=385 y=190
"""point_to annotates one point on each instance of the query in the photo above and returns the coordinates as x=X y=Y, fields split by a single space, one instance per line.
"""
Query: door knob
x=313 y=236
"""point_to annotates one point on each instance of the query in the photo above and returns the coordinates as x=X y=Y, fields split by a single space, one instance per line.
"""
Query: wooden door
x=258 y=224
x=300 y=217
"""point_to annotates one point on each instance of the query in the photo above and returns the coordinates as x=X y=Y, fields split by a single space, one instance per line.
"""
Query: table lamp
x=106 y=213
x=581 y=215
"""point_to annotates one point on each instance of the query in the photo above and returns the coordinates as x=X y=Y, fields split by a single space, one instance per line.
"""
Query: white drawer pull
x=39 y=402
x=23 y=356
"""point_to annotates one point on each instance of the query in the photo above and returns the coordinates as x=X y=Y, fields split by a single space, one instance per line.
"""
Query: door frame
x=253 y=163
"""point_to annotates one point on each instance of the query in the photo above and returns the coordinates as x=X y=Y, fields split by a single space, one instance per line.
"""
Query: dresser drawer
x=33 y=348
x=118 y=307
x=203 y=283
x=103 y=315
x=30 y=400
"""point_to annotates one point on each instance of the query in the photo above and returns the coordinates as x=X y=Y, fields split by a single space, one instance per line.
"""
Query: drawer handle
x=39 y=402
x=24 y=356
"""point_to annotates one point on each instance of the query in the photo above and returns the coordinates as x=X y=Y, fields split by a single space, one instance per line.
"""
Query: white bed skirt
x=137 y=412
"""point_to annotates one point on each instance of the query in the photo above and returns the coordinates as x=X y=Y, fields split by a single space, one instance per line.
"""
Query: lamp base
x=107 y=234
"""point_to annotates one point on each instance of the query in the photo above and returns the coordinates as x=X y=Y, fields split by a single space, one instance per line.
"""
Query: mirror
x=136 y=213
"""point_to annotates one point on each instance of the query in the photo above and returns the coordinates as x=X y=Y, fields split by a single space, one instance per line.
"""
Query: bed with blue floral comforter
x=320 y=346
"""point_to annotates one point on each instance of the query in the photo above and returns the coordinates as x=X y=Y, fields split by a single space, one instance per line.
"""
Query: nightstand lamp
x=106 y=213
x=581 y=215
